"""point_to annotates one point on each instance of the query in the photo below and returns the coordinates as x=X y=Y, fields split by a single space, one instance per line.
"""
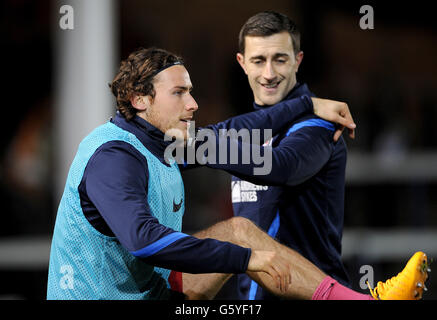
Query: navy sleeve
x=113 y=184
x=301 y=154
x=275 y=118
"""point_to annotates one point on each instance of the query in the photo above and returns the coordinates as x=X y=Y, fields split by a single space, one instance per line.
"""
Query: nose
x=269 y=72
x=191 y=104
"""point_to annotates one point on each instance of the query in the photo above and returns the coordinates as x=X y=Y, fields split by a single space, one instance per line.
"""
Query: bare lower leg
x=205 y=286
x=305 y=276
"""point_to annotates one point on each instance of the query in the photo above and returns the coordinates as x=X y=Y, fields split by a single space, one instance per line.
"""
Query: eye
x=178 y=92
x=281 y=61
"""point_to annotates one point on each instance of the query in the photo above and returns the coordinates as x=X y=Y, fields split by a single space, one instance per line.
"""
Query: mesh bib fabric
x=85 y=264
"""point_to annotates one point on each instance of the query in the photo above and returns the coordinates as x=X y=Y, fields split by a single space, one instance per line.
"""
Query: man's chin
x=176 y=134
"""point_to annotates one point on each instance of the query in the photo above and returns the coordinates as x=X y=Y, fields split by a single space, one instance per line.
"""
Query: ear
x=139 y=102
x=299 y=58
x=240 y=59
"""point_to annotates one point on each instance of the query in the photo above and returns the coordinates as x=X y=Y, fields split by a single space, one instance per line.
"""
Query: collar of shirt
x=150 y=136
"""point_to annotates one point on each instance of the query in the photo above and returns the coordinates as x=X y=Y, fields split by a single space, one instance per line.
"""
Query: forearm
x=156 y=244
x=194 y=255
x=274 y=118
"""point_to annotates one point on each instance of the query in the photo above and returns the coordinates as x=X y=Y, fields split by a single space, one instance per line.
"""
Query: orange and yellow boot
x=408 y=284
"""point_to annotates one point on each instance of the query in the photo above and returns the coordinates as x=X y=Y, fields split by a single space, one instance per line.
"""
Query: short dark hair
x=267 y=23
x=135 y=76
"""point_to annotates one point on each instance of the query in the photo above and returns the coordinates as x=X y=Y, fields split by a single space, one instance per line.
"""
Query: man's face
x=173 y=105
x=270 y=65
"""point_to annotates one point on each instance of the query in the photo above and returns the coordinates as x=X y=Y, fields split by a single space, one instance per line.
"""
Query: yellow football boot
x=408 y=284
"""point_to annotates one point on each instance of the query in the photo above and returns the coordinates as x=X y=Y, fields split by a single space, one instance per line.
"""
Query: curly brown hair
x=136 y=74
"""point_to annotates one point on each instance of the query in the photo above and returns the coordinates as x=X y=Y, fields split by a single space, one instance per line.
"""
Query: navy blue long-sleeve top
x=301 y=203
x=113 y=194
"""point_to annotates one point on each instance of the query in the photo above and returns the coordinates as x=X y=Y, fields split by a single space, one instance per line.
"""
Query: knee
x=241 y=228
x=241 y=223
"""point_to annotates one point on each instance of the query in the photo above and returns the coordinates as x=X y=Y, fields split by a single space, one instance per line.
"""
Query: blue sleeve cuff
x=311 y=123
x=158 y=245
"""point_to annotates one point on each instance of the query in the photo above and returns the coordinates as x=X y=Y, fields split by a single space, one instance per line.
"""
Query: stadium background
x=54 y=91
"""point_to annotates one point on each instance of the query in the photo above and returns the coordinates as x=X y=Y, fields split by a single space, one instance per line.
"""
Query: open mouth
x=271 y=86
x=188 y=119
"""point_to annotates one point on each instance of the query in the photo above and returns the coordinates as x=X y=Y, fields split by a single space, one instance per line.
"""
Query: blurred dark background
x=387 y=75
